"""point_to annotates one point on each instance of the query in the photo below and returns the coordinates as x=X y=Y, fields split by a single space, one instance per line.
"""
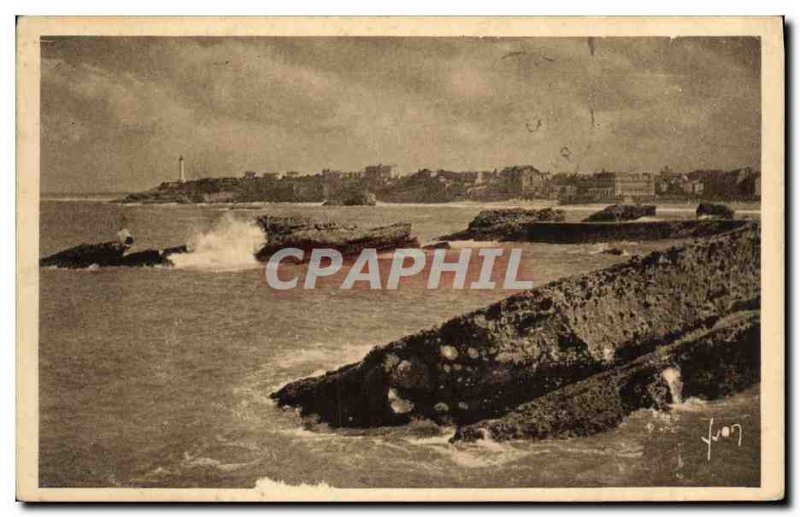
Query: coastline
x=741 y=207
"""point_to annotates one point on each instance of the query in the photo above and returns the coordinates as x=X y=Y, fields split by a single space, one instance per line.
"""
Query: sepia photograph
x=400 y=259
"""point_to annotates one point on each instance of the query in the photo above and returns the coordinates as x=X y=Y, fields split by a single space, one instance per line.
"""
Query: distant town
x=381 y=183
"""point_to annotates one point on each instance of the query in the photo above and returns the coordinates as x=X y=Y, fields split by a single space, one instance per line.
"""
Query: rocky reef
x=620 y=212
x=280 y=232
x=485 y=364
x=349 y=240
x=578 y=233
x=707 y=364
x=499 y=227
x=495 y=224
x=107 y=254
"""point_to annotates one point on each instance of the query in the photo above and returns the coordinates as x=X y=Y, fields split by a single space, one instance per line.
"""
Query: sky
x=116 y=112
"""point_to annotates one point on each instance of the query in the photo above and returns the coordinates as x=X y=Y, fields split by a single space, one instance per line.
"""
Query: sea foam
x=229 y=246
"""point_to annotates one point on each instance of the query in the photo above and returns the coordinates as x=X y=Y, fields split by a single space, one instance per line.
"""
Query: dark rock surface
x=440 y=245
x=151 y=257
x=483 y=364
x=349 y=240
x=715 y=210
x=620 y=212
x=708 y=364
x=107 y=254
x=546 y=226
x=494 y=224
x=579 y=233
x=84 y=255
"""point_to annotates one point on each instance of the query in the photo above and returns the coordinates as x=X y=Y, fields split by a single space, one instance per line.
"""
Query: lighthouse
x=182 y=175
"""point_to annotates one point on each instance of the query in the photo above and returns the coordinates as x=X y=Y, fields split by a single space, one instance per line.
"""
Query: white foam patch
x=229 y=246
x=279 y=490
x=321 y=355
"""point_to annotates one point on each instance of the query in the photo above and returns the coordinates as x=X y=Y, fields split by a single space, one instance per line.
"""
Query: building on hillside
x=609 y=187
x=525 y=180
x=634 y=186
x=379 y=172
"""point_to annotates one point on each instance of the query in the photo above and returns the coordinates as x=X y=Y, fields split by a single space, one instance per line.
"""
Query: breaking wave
x=229 y=246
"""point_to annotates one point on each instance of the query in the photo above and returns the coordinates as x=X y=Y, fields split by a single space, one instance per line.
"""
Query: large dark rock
x=293 y=232
x=715 y=210
x=483 y=364
x=107 y=254
x=620 y=212
x=495 y=224
x=85 y=255
x=488 y=218
x=276 y=227
x=708 y=364
x=548 y=226
x=151 y=257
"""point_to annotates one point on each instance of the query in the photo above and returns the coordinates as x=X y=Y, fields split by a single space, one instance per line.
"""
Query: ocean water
x=160 y=377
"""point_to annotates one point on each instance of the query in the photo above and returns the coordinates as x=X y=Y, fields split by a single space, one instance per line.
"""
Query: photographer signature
x=725 y=432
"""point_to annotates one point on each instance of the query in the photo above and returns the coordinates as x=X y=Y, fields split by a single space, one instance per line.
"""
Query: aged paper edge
x=769 y=29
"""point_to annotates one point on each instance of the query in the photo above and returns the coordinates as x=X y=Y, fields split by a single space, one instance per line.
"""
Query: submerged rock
x=715 y=210
x=484 y=364
x=707 y=364
x=349 y=240
x=620 y=212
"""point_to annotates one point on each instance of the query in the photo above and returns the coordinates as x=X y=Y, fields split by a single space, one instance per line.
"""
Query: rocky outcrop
x=495 y=224
x=85 y=255
x=484 y=364
x=715 y=210
x=548 y=226
x=349 y=240
x=708 y=364
x=619 y=212
x=579 y=233
x=107 y=254
x=152 y=257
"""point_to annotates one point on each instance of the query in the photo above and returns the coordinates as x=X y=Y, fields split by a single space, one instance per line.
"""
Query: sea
x=160 y=377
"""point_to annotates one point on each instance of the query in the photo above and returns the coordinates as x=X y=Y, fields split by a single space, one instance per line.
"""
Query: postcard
x=400 y=259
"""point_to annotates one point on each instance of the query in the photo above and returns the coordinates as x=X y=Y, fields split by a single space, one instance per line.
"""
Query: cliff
x=484 y=364
x=708 y=364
